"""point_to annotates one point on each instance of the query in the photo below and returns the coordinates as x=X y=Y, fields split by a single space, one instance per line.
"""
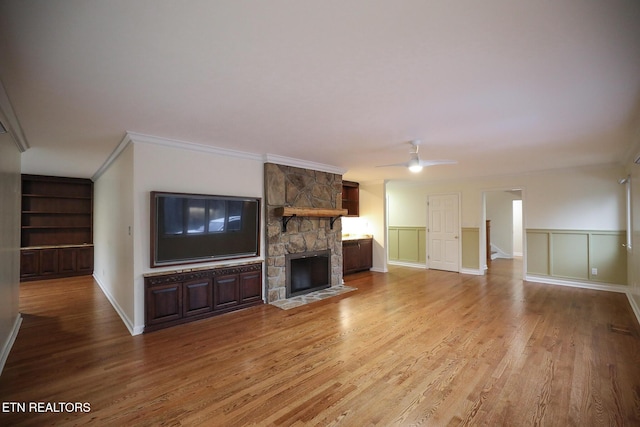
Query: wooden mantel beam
x=310 y=212
x=288 y=212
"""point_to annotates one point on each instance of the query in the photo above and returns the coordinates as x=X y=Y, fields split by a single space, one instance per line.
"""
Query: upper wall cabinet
x=57 y=227
x=351 y=198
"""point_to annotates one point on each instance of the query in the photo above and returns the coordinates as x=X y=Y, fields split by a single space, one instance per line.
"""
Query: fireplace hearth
x=307 y=272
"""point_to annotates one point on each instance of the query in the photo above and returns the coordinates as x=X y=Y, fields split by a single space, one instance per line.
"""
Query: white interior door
x=443 y=241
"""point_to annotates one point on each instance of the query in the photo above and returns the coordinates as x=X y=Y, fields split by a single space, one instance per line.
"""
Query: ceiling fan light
x=414 y=163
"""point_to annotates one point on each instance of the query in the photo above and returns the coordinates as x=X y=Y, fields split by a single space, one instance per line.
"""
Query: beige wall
x=582 y=198
x=113 y=222
x=372 y=208
x=9 y=244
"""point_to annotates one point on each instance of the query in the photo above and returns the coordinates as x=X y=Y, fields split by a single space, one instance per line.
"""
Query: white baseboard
x=408 y=264
x=133 y=330
x=424 y=267
x=379 y=270
x=634 y=306
x=8 y=345
x=578 y=284
x=588 y=285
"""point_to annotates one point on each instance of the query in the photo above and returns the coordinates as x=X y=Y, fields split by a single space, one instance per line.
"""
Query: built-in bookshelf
x=57 y=227
x=351 y=197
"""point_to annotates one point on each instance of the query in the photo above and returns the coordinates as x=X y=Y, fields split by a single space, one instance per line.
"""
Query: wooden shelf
x=31 y=248
x=54 y=213
x=288 y=212
x=311 y=212
x=53 y=227
x=53 y=196
x=351 y=197
x=56 y=228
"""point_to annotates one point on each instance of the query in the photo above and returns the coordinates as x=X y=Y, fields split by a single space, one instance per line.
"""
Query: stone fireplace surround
x=304 y=188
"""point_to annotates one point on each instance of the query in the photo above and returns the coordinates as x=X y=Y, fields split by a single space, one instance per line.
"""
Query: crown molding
x=139 y=138
x=192 y=146
x=304 y=164
x=10 y=121
x=112 y=157
x=136 y=138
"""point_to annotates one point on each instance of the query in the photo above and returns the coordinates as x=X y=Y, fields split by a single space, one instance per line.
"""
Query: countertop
x=347 y=237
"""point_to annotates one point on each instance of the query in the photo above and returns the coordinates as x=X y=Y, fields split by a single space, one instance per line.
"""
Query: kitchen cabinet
x=357 y=255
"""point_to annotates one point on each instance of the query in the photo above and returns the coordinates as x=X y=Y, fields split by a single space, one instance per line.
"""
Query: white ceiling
x=502 y=86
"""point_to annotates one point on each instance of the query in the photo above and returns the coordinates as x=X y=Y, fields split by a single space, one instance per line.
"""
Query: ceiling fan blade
x=416 y=162
x=425 y=163
x=405 y=164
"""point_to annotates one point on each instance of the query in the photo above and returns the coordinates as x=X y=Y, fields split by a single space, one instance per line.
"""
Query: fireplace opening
x=308 y=272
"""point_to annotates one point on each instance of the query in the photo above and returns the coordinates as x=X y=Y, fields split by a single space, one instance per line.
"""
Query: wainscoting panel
x=408 y=244
x=538 y=252
x=470 y=248
x=584 y=255
x=609 y=256
x=570 y=255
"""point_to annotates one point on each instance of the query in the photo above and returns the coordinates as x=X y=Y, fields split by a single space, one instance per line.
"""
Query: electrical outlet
x=594 y=271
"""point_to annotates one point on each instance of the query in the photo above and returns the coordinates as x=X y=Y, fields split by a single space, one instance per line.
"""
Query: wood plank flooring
x=410 y=347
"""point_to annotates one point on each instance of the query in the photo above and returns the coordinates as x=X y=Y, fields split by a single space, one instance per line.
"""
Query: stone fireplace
x=302 y=188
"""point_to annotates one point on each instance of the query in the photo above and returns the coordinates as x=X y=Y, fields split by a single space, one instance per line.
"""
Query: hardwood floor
x=410 y=347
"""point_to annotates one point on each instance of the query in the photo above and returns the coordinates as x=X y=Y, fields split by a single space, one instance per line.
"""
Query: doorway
x=503 y=237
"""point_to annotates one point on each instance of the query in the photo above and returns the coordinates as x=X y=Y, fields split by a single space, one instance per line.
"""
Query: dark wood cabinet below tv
x=180 y=297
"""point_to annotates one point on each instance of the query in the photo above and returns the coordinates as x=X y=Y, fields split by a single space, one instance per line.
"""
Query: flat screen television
x=190 y=228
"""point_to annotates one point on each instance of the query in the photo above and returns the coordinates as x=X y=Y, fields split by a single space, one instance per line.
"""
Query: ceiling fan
x=415 y=164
